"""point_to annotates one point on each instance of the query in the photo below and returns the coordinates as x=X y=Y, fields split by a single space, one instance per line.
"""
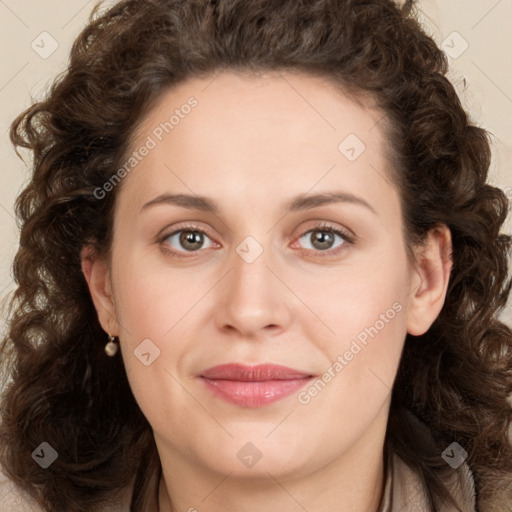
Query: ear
x=430 y=278
x=97 y=275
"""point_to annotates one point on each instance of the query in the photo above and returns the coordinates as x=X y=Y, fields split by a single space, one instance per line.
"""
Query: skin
x=251 y=144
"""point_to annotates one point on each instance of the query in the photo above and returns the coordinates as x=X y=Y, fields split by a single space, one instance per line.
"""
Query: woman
x=260 y=268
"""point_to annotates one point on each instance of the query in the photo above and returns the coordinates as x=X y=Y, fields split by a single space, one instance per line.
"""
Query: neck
x=353 y=481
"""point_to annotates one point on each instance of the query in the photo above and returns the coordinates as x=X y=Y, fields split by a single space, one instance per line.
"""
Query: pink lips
x=253 y=386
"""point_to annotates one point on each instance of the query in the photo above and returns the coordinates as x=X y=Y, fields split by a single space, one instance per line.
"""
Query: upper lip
x=258 y=373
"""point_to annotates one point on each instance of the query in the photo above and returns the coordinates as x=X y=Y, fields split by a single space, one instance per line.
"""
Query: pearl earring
x=111 y=347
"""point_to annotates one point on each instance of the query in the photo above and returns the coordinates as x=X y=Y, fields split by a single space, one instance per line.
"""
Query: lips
x=259 y=373
x=253 y=386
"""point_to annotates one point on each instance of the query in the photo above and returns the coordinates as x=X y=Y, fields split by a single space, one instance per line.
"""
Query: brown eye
x=191 y=240
x=185 y=240
x=323 y=239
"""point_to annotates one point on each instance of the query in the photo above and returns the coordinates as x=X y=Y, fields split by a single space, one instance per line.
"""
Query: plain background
x=36 y=36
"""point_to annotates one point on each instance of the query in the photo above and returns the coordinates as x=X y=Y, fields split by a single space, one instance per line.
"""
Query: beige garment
x=405 y=492
x=13 y=499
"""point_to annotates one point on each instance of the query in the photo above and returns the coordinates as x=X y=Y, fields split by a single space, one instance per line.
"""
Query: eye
x=322 y=238
x=188 y=239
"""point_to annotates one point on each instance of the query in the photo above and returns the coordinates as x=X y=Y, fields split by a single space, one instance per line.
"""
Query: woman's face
x=262 y=280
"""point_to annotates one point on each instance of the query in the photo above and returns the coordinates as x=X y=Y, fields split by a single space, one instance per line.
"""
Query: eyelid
x=348 y=240
x=182 y=227
x=347 y=235
x=321 y=225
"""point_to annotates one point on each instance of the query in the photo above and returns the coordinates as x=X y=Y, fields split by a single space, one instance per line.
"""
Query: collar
x=405 y=490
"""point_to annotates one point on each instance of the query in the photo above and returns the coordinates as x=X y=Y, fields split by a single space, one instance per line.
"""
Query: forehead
x=282 y=131
x=259 y=100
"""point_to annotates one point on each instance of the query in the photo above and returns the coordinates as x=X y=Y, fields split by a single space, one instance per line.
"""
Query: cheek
x=348 y=301
x=363 y=313
x=362 y=358
x=152 y=301
x=152 y=313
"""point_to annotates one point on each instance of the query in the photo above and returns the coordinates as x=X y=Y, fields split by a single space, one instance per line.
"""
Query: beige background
x=476 y=33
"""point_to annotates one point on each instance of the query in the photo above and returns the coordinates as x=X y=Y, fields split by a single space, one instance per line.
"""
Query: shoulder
x=14 y=498
x=409 y=489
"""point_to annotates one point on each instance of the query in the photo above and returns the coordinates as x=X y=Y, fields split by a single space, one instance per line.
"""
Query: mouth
x=254 y=386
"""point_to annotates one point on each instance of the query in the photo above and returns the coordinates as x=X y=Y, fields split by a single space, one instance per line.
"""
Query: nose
x=253 y=300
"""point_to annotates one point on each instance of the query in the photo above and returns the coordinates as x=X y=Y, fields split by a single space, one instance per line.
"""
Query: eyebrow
x=297 y=203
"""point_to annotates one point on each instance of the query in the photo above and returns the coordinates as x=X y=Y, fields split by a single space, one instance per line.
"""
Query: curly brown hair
x=62 y=389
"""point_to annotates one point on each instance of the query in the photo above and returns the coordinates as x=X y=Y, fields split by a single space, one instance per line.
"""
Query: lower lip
x=254 y=394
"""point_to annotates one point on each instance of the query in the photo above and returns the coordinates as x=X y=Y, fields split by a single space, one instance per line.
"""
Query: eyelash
x=348 y=239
